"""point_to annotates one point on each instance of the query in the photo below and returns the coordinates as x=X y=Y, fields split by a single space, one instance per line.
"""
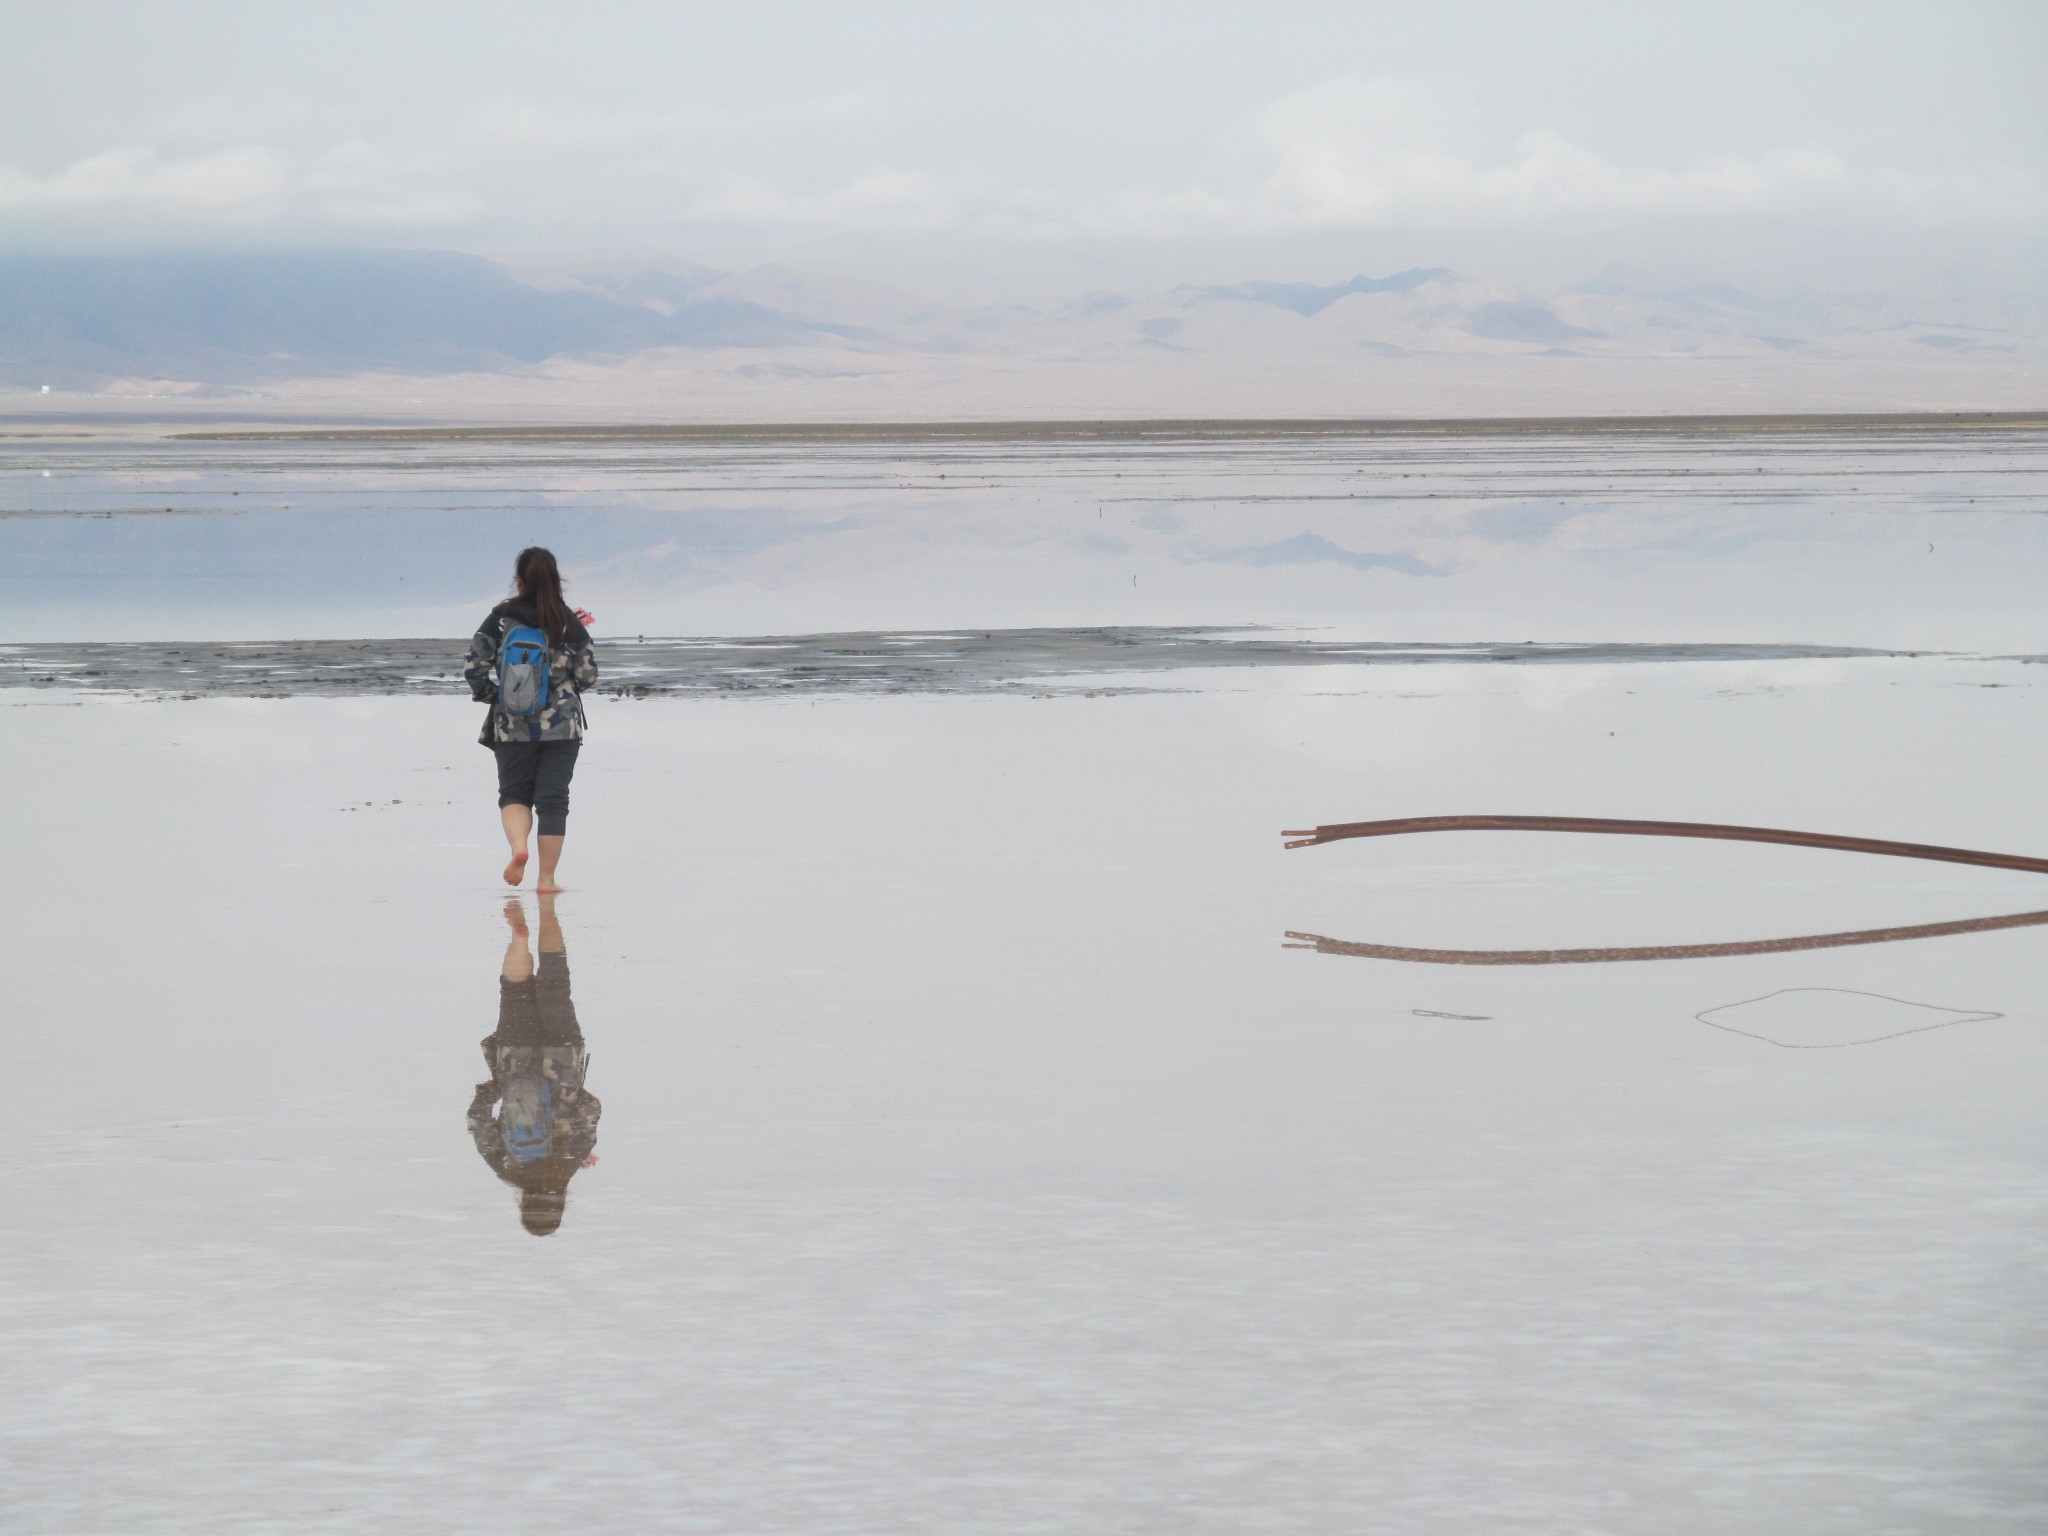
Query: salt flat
x=974 y=1155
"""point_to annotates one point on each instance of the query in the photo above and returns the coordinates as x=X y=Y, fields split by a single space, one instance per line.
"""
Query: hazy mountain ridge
x=230 y=318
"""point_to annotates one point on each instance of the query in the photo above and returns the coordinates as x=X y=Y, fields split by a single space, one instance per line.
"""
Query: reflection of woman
x=533 y=1122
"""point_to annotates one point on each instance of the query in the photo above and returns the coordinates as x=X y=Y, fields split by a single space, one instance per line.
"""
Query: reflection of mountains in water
x=869 y=662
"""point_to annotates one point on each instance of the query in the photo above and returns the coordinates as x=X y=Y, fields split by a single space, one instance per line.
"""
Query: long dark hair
x=544 y=1198
x=541 y=579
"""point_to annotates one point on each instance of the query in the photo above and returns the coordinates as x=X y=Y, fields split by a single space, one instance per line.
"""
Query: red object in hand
x=585 y=617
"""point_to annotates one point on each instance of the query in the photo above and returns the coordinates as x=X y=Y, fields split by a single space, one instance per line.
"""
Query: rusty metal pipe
x=1337 y=832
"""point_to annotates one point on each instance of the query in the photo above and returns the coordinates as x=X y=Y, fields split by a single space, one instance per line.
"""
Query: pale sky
x=1007 y=141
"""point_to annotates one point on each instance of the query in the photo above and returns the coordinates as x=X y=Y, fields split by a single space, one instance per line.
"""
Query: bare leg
x=518 y=964
x=550 y=853
x=518 y=820
x=550 y=927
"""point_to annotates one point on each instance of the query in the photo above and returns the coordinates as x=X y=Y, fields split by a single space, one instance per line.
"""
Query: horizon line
x=1158 y=428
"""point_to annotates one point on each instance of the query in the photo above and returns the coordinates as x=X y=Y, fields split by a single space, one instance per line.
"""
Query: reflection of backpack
x=528 y=1118
x=523 y=671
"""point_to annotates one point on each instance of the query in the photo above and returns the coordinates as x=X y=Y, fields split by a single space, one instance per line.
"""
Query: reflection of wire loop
x=1328 y=946
x=1337 y=832
x=1962 y=1016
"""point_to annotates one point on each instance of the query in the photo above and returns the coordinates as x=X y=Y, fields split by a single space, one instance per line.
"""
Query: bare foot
x=515 y=914
x=516 y=870
x=547 y=888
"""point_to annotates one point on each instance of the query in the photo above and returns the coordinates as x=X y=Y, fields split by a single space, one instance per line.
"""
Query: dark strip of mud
x=1161 y=431
x=957 y=661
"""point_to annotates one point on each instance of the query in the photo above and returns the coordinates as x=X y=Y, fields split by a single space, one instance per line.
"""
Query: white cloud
x=1350 y=153
x=247 y=185
x=1355 y=152
x=240 y=181
x=502 y=166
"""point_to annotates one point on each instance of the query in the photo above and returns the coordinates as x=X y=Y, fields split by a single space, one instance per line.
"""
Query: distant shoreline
x=1163 y=430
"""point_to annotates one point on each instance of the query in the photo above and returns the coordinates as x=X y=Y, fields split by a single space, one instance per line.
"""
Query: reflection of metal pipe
x=1341 y=830
x=1328 y=946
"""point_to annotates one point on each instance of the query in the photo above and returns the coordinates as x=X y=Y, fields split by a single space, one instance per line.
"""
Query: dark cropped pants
x=538 y=1011
x=537 y=773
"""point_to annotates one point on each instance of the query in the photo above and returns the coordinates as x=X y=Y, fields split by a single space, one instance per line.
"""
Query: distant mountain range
x=212 y=323
x=237 y=317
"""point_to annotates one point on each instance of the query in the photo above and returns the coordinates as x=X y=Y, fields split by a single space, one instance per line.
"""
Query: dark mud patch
x=952 y=661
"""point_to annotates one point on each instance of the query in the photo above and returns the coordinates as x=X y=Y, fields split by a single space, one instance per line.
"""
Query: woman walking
x=530 y=660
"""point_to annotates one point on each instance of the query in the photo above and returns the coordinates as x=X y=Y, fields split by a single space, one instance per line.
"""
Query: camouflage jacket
x=571 y=668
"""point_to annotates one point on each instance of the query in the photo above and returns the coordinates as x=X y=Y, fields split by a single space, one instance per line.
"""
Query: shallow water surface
x=974 y=1150
x=1926 y=538
x=974 y=1155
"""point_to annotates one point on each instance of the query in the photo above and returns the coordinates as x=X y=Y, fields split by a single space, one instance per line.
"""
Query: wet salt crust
x=975 y=1157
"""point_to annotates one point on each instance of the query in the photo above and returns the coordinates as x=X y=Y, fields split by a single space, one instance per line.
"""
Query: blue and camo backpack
x=523 y=671
x=527 y=1117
